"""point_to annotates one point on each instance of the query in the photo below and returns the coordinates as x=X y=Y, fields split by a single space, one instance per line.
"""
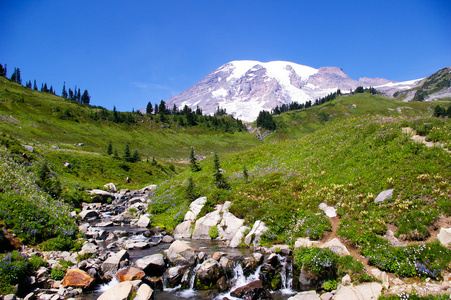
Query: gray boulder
x=112 y=264
x=179 y=253
x=209 y=273
x=387 y=194
x=255 y=234
x=183 y=230
x=308 y=295
x=122 y=291
x=143 y=222
x=444 y=236
x=144 y=292
x=152 y=265
x=366 y=291
x=88 y=214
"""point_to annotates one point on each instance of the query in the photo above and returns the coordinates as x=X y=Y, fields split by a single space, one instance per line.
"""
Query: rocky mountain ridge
x=244 y=88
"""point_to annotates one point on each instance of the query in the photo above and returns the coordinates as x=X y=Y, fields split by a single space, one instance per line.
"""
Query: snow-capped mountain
x=244 y=88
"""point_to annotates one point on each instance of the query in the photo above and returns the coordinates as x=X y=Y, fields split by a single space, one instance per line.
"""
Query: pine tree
x=116 y=155
x=193 y=161
x=64 y=92
x=245 y=174
x=127 y=155
x=85 y=98
x=109 y=151
x=190 y=192
x=71 y=94
x=219 y=179
x=135 y=156
x=35 y=86
x=2 y=71
x=149 y=108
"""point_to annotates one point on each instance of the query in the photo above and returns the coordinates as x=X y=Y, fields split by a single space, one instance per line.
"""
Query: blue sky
x=127 y=53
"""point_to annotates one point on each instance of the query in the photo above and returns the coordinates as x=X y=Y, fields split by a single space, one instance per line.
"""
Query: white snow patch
x=404 y=85
x=219 y=93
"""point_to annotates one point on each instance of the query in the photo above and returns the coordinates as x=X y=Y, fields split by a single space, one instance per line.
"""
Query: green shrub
x=14 y=269
x=57 y=273
x=330 y=285
x=213 y=233
x=36 y=262
x=318 y=261
x=60 y=243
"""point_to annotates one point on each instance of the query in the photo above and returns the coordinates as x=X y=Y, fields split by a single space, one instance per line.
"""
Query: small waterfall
x=190 y=292
x=239 y=280
x=105 y=287
x=286 y=274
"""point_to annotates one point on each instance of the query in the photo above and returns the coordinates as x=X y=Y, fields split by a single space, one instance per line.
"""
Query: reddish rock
x=130 y=274
x=77 y=278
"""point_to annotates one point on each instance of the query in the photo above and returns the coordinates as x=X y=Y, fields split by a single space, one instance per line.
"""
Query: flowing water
x=209 y=247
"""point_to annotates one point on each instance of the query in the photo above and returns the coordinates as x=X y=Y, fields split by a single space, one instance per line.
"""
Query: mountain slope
x=244 y=88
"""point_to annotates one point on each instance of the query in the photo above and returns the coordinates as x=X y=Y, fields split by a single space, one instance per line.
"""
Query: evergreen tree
x=78 y=98
x=35 y=86
x=116 y=155
x=245 y=174
x=71 y=94
x=219 y=179
x=193 y=161
x=135 y=156
x=149 y=108
x=115 y=115
x=439 y=111
x=162 y=108
x=153 y=162
x=13 y=76
x=2 y=71
x=28 y=84
x=85 y=98
x=190 y=192
x=64 y=92
x=265 y=120
x=109 y=151
x=127 y=155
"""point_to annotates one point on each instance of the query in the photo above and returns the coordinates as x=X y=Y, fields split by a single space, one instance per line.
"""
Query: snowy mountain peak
x=245 y=87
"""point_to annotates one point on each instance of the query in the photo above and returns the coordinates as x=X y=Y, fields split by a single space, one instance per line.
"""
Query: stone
x=106 y=223
x=282 y=249
x=167 y=239
x=137 y=245
x=121 y=291
x=179 y=253
x=183 y=230
x=387 y=194
x=136 y=200
x=390 y=236
x=89 y=248
x=304 y=242
x=229 y=225
x=366 y=291
x=255 y=234
x=101 y=195
x=328 y=210
x=149 y=188
x=129 y=274
x=143 y=222
x=88 y=214
x=217 y=255
x=203 y=225
x=308 y=295
x=10 y=296
x=195 y=208
x=385 y=281
x=152 y=265
x=29 y=148
x=144 y=292
x=110 y=187
x=444 y=236
x=253 y=290
x=208 y=273
x=238 y=237
x=173 y=276
x=112 y=264
x=337 y=247
x=346 y=280
x=77 y=278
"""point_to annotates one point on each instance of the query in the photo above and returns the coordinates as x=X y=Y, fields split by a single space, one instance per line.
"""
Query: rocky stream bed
x=124 y=258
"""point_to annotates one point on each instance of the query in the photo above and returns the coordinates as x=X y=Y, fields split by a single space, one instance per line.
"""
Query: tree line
x=75 y=94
